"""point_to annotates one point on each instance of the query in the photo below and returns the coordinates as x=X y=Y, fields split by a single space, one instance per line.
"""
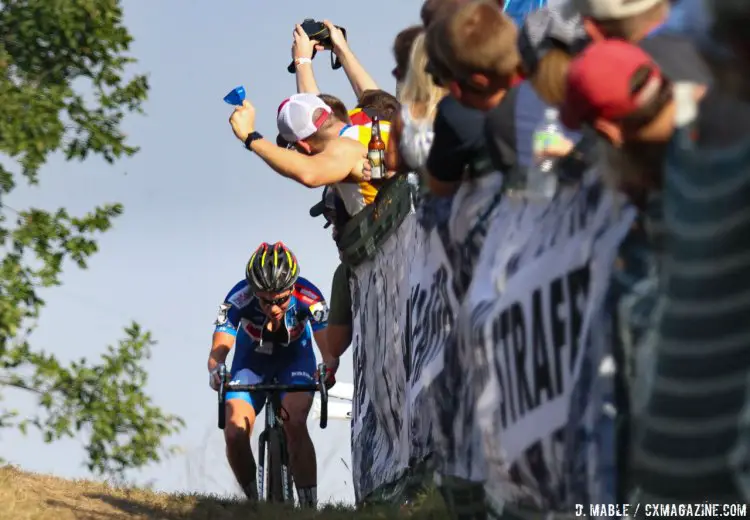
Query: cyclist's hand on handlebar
x=214 y=380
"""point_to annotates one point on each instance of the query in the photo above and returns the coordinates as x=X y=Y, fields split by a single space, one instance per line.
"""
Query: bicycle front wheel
x=279 y=475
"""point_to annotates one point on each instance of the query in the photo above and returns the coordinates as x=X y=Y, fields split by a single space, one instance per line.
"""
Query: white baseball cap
x=613 y=9
x=295 y=116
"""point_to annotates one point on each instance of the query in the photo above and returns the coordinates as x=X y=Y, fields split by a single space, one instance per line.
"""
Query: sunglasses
x=277 y=302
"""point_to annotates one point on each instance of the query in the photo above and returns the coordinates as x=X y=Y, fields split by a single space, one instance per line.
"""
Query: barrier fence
x=481 y=342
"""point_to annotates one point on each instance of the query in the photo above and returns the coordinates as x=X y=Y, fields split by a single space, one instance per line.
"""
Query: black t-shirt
x=458 y=140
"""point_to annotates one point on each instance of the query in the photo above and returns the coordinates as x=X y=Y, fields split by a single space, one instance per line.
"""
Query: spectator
x=338 y=111
x=546 y=42
x=630 y=20
x=411 y=133
x=478 y=44
x=696 y=363
x=355 y=195
x=458 y=139
x=618 y=90
x=340 y=317
x=643 y=22
x=302 y=51
x=481 y=74
x=325 y=157
x=373 y=102
x=340 y=303
x=376 y=101
x=401 y=50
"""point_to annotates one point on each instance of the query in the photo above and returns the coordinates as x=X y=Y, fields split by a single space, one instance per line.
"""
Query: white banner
x=534 y=312
x=501 y=385
x=380 y=426
x=432 y=313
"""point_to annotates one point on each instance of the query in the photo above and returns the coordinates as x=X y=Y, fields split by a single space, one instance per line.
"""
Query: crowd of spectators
x=655 y=99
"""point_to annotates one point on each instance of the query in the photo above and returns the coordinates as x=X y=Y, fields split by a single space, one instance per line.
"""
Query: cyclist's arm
x=220 y=347
x=333 y=165
x=225 y=333
x=306 y=79
x=318 y=312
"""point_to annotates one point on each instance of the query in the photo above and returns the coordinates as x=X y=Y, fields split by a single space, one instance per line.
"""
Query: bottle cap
x=236 y=96
x=551 y=113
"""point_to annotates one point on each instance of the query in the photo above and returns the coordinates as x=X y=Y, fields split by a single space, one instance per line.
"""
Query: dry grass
x=30 y=496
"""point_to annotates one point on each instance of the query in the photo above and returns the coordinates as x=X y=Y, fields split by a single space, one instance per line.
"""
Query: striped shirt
x=692 y=417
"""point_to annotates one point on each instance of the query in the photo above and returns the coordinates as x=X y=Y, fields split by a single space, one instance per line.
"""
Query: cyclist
x=270 y=315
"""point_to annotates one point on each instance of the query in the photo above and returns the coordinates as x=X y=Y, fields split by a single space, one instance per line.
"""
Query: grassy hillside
x=30 y=496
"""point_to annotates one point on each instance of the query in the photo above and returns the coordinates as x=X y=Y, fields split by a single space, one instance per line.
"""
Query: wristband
x=301 y=61
x=254 y=136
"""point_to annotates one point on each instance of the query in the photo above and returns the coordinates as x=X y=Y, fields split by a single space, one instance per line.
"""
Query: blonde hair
x=418 y=87
x=482 y=39
x=548 y=79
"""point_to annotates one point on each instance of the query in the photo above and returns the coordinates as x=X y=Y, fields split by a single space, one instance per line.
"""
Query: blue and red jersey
x=241 y=315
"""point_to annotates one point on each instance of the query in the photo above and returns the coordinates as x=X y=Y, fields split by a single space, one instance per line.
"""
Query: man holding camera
x=304 y=48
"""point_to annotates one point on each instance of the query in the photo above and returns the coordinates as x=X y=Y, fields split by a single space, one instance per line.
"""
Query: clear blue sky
x=196 y=204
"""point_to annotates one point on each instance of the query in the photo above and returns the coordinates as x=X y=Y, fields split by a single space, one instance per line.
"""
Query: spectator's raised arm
x=343 y=159
x=358 y=76
x=302 y=51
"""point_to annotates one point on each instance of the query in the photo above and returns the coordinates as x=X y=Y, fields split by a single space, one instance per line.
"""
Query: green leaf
x=66 y=87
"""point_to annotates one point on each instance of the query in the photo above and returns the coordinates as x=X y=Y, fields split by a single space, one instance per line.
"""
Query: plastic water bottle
x=541 y=181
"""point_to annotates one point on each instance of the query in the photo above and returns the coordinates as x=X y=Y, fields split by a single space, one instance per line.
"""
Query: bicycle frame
x=274 y=422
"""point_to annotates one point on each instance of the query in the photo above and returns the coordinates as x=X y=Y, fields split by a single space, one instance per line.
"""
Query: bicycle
x=272 y=441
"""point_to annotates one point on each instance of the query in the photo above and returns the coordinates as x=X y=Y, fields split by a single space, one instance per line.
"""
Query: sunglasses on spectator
x=277 y=302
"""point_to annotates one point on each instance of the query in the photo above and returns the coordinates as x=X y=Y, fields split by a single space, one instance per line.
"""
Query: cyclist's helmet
x=272 y=268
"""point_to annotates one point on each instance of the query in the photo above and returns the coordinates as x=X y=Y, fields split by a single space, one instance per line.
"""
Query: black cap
x=283 y=143
x=326 y=205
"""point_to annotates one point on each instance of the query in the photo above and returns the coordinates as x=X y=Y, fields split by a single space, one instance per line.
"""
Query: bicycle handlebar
x=320 y=386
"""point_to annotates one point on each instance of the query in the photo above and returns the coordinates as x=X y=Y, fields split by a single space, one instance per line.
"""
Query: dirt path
x=30 y=496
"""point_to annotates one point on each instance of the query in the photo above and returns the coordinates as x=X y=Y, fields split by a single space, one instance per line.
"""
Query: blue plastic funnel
x=236 y=96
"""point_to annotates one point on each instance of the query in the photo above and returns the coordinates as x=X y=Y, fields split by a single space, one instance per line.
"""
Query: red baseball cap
x=609 y=80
